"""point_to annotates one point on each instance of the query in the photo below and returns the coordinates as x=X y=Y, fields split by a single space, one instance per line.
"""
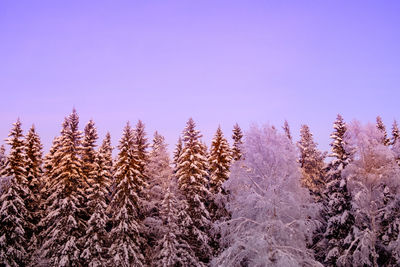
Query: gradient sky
x=220 y=62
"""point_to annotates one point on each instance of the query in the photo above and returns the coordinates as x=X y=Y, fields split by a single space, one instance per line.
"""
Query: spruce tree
x=63 y=224
x=129 y=183
x=34 y=172
x=381 y=127
x=311 y=162
x=95 y=250
x=14 y=215
x=219 y=161
x=2 y=157
x=237 y=142
x=192 y=181
x=140 y=146
x=286 y=129
x=395 y=133
x=337 y=201
x=88 y=151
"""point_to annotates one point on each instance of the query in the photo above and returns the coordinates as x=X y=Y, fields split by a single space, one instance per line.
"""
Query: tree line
x=265 y=200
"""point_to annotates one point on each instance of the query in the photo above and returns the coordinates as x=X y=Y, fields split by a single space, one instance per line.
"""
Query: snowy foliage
x=140 y=147
x=286 y=129
x=88 y=151
x=237 y=136
x=381 y=127
x=271 y=212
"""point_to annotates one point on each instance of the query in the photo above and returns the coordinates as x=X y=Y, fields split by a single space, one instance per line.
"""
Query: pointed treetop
x=237 y=142
x=381 y=127
x=286 y=128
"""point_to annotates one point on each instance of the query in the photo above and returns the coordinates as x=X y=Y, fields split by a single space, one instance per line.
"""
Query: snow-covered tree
x=337 y=202
x=371 y=175
x=286 y=129
x=125 y=235
x=311 y=162
x=172 y=249
x=140 y=147
x=63 y=225
x=219 y=161
x=14 y=216
x=88 y=151
x=381 y=127
x=2 y=157
x=395 y=133
x=237 y=136
x=192 y=181
x=271 y=213
x=95 y=250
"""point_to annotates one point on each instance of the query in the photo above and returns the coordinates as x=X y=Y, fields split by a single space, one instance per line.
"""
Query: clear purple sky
x=220 y=62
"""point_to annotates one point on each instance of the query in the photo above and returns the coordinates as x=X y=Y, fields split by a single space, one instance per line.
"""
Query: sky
x=220 y=62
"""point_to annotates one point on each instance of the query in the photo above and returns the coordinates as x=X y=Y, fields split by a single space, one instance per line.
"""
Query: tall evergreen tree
x=95 y=250
x=286 y=129
x=337 y=201
x=140 y=146
x=63 y=224
x=2 y=157
x=237 y=142
x=14 y=215
x=219 y=161
x=311 y=162
x=88 y=151
x=381 y=127
x=34 y=172
x=395 y=133
x=192 y=181
x=129 y=183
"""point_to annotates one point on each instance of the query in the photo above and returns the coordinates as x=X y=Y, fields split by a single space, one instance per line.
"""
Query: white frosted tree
x=125 y=236
x=371 y=175
x=2 y=157
x=286 y=129
x=192 y=181
x=237 y=136
x=382 y=128
x=88 y=152
x=141 y=146
x=219 y=161
x=63 y=224
x=95 y=240
x=395 y=133
x=14 y=216
x=271 y=212
x=311 y=162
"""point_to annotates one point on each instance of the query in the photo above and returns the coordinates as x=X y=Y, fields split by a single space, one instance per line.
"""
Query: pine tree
x=172 y=249
x=381 y=127
x=14 y=215
x=88 y=151
x=337 y=201
x=219 y=161
x=33 y=154
x=129 y=183
x=395 y=133
x=286 y=128
x=192 y=181
x=237 y=142
x=311 y=162
x=95 y=250
x=141 y=145
x=2 y=157
x=63 y=224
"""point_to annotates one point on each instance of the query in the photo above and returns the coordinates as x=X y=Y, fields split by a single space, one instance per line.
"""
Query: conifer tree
x=140 y=146
x=192 y=181
x=395 y=133
x=63 y=224
x=88 y=151
x=95 y=250
x=337 y=202
x=2 y=157
x=14 y=215
x=129 y=183
x=34 y=172
x=177 y=152
x=286 y=129
x=311 y=162
x=381 y=127
x=219 y=161
x=237 y=142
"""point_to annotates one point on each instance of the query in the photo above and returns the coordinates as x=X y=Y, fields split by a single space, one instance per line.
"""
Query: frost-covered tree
x=125 y=235
x=140 y=147
x=88 y=151
x=2 y=157
x=395 y=133
x=219 y=161
x=286 y=129
x=173 y=249
x=271 y=213
x=237 y=136
x=311 y=162
x=371 y=175
x=95 y=250
x=192 y=181
x=14 y=216
x=337 y=201
x=63 y=224
x=381 y=127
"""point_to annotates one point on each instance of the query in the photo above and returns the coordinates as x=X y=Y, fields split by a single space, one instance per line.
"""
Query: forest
x=255 y=198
